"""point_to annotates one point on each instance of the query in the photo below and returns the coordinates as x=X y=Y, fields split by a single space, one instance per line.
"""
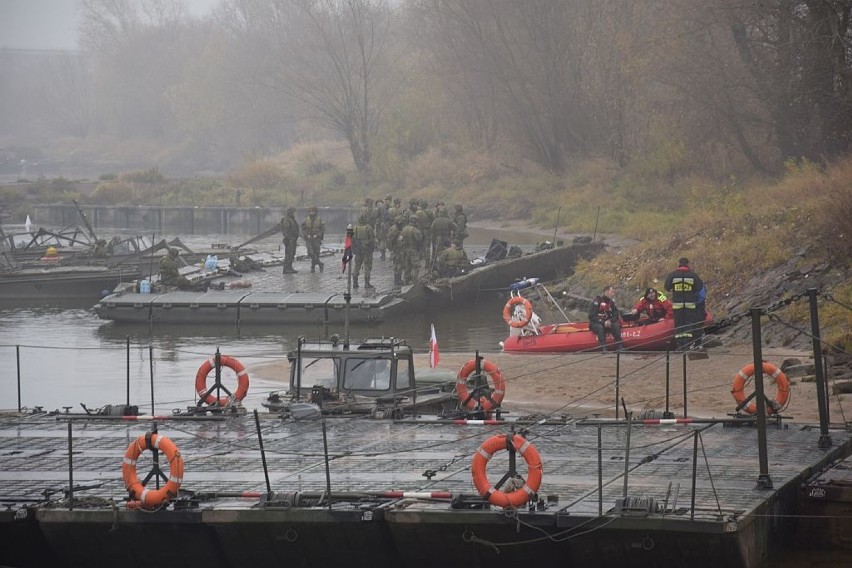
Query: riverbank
x=584 y=385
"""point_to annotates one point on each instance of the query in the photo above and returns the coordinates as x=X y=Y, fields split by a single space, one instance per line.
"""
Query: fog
x=718 y=87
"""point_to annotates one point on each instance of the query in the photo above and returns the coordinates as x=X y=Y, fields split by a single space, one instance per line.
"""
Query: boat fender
x=141 y=496
x=506 y=499
x=210 y=364
x=509 y=312
x=525 y=283
x=782 y=386
x=486 y=401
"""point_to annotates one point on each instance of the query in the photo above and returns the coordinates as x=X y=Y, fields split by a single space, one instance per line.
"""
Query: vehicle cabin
x=379 y=368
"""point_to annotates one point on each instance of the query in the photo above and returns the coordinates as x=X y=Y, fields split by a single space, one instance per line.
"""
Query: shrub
x=150 y=176
x=260 y=174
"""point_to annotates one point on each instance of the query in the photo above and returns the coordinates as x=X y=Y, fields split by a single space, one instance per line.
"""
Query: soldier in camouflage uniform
x=313 y=232
x=290 y=231
x=363 y=245
x=368 y=210
x=451 y=261
x=170 y=274
x=395 y=248
x=442 y=231
x=460 y=219
x=424 y=223
x=412 y=245
x=381 y=226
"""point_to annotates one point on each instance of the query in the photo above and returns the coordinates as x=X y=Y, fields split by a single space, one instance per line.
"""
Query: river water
x=64 y=355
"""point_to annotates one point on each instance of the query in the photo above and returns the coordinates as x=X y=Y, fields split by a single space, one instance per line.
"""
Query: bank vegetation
x=715 y=129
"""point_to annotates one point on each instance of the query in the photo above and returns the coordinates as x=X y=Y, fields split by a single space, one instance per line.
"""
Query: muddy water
x=63 y=355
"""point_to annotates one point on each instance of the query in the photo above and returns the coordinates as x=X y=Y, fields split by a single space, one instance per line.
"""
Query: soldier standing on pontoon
x=313 y=232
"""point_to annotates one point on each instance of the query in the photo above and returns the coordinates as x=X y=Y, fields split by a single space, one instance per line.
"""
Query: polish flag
x=434 y=354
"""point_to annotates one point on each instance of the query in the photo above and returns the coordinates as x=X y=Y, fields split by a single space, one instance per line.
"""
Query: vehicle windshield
x=320 y=371
x=367 y=374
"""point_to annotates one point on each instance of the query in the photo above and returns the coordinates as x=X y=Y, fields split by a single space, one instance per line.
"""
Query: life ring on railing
x=518 y=497
x=209 y=365
x=509 y=311
x=782 y=387
x=486 y=402
x=140 y=495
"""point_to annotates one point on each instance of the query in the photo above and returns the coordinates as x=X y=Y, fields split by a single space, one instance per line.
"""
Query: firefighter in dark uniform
x=604 y=318
x=684 y=286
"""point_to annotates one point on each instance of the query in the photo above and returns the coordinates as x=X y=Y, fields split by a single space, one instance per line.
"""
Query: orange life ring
x=496 y=380
x=509 y=311
x=518 y=497
x=209 y=365
x=782 y=387
x=141 y=495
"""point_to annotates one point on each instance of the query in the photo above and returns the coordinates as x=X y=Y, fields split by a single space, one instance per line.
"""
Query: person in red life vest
x=604 y=318
x=652 y=308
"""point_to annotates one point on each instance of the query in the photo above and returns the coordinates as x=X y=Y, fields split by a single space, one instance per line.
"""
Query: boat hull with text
x=576 y=337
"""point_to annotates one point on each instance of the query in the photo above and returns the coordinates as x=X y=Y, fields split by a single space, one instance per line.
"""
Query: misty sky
x=51 y=24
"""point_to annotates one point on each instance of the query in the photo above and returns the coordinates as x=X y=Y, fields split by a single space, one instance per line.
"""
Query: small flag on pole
x=434 y=354
x=347 y=251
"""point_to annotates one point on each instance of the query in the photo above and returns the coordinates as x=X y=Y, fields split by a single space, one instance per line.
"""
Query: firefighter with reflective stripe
x=684 y=285
x=605 y=318
x=363 y=245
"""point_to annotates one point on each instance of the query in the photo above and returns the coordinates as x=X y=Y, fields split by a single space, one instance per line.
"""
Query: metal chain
x=430 y=473
x=831 y=298
x=774 y=307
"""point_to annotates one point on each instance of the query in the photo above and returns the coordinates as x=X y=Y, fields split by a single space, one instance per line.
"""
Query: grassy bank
x=734 y=231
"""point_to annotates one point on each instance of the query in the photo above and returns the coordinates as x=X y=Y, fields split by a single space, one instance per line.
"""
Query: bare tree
x=798 y=55
x=331 y=58
x=344 y=77
x=527 y=56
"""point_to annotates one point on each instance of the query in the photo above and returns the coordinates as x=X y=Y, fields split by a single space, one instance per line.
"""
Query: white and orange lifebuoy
x=496 y=383
x=209 y=365
x=782 y=387
x=520 y=496
x=509 y=311
x=140 y=495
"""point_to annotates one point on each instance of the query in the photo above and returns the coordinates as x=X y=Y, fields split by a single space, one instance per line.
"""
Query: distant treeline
x=667 y=87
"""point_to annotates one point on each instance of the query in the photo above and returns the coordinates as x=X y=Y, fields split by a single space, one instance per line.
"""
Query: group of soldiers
x=414 y=237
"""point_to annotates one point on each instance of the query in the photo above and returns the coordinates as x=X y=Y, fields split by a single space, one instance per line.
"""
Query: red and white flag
x=434 y=354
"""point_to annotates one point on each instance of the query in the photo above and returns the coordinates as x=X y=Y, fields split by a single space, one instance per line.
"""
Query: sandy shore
x=584 y=385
